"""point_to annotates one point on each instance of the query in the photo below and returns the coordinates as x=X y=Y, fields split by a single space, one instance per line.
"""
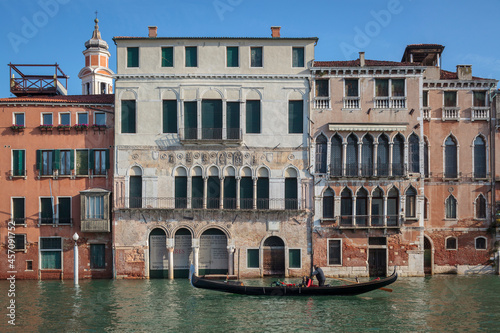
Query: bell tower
x=96 y=76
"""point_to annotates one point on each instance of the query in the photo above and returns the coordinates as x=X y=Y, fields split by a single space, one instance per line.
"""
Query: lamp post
x=75 y=251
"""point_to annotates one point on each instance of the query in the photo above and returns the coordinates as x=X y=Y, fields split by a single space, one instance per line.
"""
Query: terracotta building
x=56 y=174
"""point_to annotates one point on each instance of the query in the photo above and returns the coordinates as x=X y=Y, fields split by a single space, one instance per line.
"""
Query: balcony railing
x=351 y=102
x=451 y=113
x=18 y=220
x=210 y=134
x=368 y=170
x=55 y=221
x=398 y=102
x=427 y=113
x=95 y=226
x=369 y=221
x=322 y=103
x=480 y=113
x=390 y=102
x=17 y=174
x=210 y=203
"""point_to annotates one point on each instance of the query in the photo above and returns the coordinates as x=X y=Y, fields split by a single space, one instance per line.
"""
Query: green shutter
x=46 y=212
x=135 y=192
x=128 y=116
x=229 y=193
x=197 y=192
x=39 y=159
x=72 y=159
x=213 y=192
x=18 y=162
x=132 y=57
x=56 y=159
x=51 y=259
x=190 y=120
x=294 y=258
x=91 y=159
x=97 y=256
x=180 y=192
x=211 y=119
x=295 y=117
x=298 y=57
x=232 y=56
x=233 y=120
x=253 y=117
x=191 y=56
x=170 y=116
x=246 y=193
x=253 y=258
x=18 y=208
x=291 y=193
x=64 y=210
x=167 y=57
x=108 y=162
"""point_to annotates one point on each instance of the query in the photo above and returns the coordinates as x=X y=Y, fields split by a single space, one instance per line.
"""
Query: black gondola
x=239 y=288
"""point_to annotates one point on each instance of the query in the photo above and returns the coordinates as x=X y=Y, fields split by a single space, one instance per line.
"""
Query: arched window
x=246 y=189
x=346 y=207
x=426 y=203
x=328 y=204
x=291 y=195
x=480 y=243
x=352 y=156
x=180 y=188
x=426 y=159
x=336 y=156
x=383 y=156
x=321 y=153
x=393 y=207
x=362 y=207
x=411 y=202
x=398 y=150
x=263 y=189
x=480 y=207
x=377 y=216
x=414 y=153
x=451 y=243
x=451 y=207
x=213 y=188
x=367 y=156
x=450 y=158
x=479 y=158
x=135 y=187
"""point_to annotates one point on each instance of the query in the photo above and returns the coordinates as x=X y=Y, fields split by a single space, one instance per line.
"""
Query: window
x=82 y=162
x=322 y=88
x=450 y=155
x=362 y=207
x=479 y=98
x=346 y=207
x=377 y=214
x=197 y=192
x=132 y=57
x=480 y=207
x=29 y=265
x=100 y=118
x=352 y=156
x=351 y=88
x=294 y=258
x=191 y=56
x=233 y=120
x=47 y=119
x=425 y=98
x=94 y=207
x=480 y=243
x=19 y=119
x=336 y=156
x=328 y=204
x=167 y=57
x=295 y=117
x=256 y=57
x=211 y=119
x=383 y=156
x=99 y=161
x=263 y=192
x=65 y=119
x=19 y=242
x=97 y=256
x=190 y=120
x=246 y=193
x=83 y=118
x=390 y=93
x=128 y=116
x=297 y=57
x=252 y=258
x=367 y=156
x=253 y=117
x=181 y=191
x=479 y=158
x=398 y=150
x=321 y=153
x=18 y=163
x=66 y=162
x=170 y=116
x=291 y=195
x=413 y=153
x=381 y=87
x=451 y=243
x=46 y=211
x=64 y=210
x=411 y=202
x=213 y=192
x=232 y=56
x=50 y=252
x=104 y=88
x=45 y=159
x=18 y=211
x=397 y=87
x=334 y=252
x=135 y=191
x=451 y=207
x=426 y=159
x=393 y=207
x=450 y=98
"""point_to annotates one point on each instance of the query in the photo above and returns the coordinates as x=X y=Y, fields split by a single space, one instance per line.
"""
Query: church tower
x=96 y=76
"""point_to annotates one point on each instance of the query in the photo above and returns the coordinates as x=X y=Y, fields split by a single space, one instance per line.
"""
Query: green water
x=436 y=304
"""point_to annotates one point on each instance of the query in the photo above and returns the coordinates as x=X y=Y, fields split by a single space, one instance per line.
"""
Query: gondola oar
x=382 y=288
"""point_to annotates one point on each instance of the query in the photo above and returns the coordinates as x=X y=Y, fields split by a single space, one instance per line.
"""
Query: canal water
x=431 y=304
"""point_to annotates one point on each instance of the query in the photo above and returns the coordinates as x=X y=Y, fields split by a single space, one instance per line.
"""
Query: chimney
x=275 y=32
x=362 y=59
x=464 y=72
x=153 y=32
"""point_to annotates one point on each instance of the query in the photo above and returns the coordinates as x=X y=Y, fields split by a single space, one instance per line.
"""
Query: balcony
x=351 y=102
x=210 y=135
x=390 y=102
x=369 y=221
x=95 y=225
x=54 y=221
x=480 y=113
x=368 y=170
x=42 y=80
x=17 y=174
x=450 y=113
x=426 y=113
x=322 y=103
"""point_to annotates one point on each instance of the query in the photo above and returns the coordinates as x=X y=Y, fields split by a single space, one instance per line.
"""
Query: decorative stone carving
x=189 y=158
x=222 y=159
x=204 y=158
x=238 y=158
x=171 y=158
x=155 y=155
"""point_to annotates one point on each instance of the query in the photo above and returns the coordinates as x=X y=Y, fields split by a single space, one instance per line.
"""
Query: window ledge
x=20 y=250
x=451 y=249
x=351 y=109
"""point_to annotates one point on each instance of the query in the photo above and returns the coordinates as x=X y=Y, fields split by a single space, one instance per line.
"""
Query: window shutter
x=295 y=117
x=91 y=159
x=56 y=159
x=170 y=116
x=39 y=159
x=108 y=162
x=253 y=116
x=167 y=57
x=72 y=159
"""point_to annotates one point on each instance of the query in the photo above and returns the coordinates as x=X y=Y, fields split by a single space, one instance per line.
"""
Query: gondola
x=236 y=287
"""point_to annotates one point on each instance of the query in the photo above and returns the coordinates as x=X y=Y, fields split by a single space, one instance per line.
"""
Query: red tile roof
x=447 y=75
x=355 y=63
x=77 y=99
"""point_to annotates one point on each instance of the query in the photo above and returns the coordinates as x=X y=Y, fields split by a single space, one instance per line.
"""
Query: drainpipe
x=493 y=107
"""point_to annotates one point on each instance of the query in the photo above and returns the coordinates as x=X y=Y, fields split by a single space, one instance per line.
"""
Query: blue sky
x=49 y=31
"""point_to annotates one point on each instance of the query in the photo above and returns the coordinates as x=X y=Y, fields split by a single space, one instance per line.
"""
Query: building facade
x=211 y=156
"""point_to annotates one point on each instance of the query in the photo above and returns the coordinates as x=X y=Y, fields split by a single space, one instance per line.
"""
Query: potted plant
x=17 y=128
x=81 y=127
x=45 y=127
x=97 y=127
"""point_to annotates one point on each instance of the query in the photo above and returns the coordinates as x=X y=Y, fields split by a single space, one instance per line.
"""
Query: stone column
x=238 y=179
x=170 y=249
x=254 y=201
x=196 y=253
x=221 y=193
x=205 y=183
x=230 y=260
x=344 y=159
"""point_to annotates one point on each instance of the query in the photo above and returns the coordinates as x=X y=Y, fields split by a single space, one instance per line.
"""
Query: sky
x=50 y=31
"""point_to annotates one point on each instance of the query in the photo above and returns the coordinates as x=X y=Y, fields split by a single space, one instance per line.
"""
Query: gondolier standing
x=319 y=275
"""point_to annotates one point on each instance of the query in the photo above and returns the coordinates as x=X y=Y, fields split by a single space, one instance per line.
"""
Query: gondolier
x=319 y=275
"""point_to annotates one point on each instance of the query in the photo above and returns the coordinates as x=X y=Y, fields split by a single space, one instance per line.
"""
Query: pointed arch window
x=411 y=202
x=377 y=216
x=336 y=156
x=328 y=204
x=414 y=153
x=352 y=156
x=450 y=158
x=393 y=207
x=367 y=156
x=479 y=158
x=451 y=207
x=383 y=156
x=362 y=207
x=346 y=207
x=321 y=154
x=480 y=207
x=398 y=156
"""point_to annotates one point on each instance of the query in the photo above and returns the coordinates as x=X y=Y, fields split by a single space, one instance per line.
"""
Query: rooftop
x=77 y=99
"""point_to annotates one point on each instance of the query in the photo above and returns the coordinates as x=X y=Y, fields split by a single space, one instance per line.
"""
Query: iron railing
x=375 y=221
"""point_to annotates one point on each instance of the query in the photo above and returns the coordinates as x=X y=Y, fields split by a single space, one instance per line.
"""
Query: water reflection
x=440 y=303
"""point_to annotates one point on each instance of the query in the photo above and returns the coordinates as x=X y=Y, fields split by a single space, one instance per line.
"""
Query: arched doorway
x=213 y=257
x=182 y=253
x=158 y=254
x=427 y=256
x=274 y=256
